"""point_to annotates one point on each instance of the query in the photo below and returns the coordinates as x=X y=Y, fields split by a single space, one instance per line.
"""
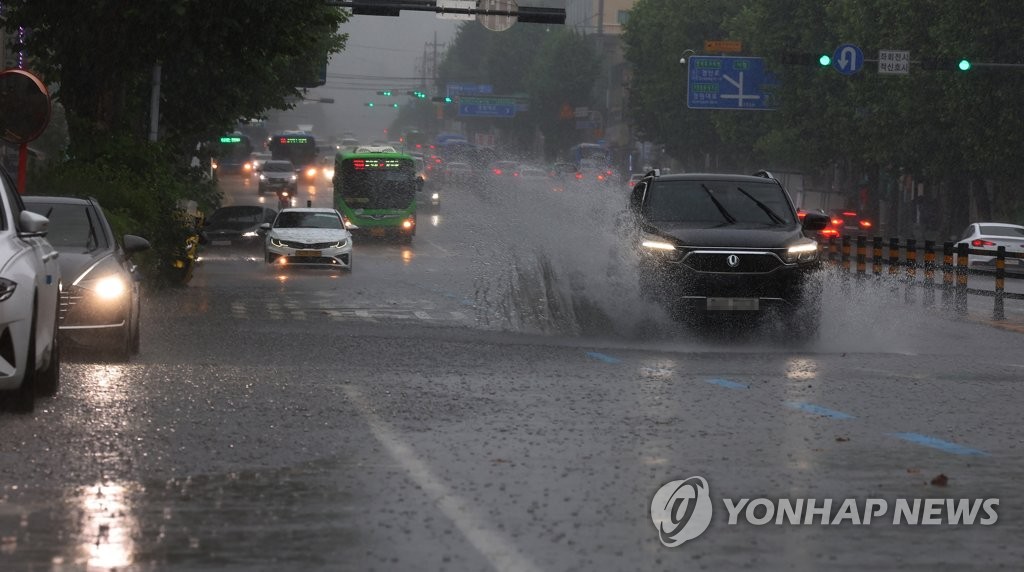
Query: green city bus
x=376 y=192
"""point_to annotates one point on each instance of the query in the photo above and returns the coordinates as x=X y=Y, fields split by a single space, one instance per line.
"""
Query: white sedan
x=29 y=303
x=990 y=236
x=308 y=237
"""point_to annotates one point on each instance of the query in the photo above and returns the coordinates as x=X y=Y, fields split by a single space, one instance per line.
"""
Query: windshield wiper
x=728 y=217
x=767 y=209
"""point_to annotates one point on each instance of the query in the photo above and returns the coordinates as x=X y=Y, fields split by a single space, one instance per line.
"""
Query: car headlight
x=803 y=252
x=263 y=177
x=250 y=234
x=658 y=245
x=108 y=287
x=7 y=288
x=274 y=241
x=295 y=177
x=435 y=197
x=311 y=172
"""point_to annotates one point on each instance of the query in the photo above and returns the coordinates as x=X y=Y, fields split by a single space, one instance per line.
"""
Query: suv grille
x=748 y=262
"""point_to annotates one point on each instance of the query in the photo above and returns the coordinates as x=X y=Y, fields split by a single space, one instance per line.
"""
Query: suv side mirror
x=815 y=222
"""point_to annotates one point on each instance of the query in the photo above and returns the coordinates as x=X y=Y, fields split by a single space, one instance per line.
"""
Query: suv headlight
x=654 y=245
x=803 y=252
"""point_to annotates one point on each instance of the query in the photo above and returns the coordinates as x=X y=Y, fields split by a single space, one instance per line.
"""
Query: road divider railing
x=901 y=261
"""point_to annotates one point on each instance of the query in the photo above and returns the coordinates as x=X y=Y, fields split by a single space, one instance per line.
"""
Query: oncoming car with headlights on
x=100 y=305
x=714 y=246
x=308 y=237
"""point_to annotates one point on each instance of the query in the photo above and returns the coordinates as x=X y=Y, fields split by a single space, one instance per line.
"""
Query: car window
x=1004 y=231
x=704 y=201
x=236 y=215
x=300 y=219
x=278 y=167
x=74 y=227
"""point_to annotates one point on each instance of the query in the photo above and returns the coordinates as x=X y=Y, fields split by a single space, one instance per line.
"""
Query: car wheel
x=48 y=381
x=349 y=269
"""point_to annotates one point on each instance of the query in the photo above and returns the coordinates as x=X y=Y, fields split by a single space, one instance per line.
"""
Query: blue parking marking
x=939 y=444
x=602 y=357
x=729 y=384
x=818 y=410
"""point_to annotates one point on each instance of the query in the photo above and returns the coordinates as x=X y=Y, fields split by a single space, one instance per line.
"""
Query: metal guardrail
x=902 y=260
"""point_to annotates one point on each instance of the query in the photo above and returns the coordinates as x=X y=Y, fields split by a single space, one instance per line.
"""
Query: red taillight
x=980 y=242
x=579 y=176
x=830 y=232
x=837 y=221
x=801 y=214
x=849 y=213
x=600 y=177
x=515 y=174
x=865 y=224
x=497 y=171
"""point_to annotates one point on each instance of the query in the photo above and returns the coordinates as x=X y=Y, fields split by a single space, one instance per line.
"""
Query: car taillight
x=980 y=242
x=865 y=224
x=600 y=177
x=497 y=171
x=579 y=176
x=849 y=213
x=801 y=214
x=830 y=232
x=837 y=221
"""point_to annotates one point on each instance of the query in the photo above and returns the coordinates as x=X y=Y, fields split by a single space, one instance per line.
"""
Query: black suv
x=716 y=245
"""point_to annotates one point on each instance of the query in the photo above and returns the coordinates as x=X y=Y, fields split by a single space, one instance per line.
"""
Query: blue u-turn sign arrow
x=848 y=59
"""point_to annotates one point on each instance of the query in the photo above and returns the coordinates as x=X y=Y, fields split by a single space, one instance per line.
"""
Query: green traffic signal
x=369 y=104
x=824 y=60
x=385 y=92
x=395 y=105
x=964 y=65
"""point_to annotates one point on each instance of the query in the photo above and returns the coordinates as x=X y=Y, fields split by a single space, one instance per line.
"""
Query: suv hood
x=729 y=236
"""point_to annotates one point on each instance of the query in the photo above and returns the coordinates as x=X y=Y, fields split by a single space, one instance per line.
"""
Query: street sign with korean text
x=893 y=62
x=486 y=107
x=457 y=89
x=723 y=46
x=724 y=82
x=848 y=59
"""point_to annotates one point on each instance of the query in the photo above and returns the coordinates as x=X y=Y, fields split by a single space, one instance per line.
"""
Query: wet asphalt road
x=497 y=396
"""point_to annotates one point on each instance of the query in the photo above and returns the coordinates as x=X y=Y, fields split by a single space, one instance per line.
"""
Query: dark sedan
x=237 y=225
x=99 y=305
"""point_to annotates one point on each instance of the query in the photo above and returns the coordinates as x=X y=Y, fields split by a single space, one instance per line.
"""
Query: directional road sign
x=848 y=59
x=486 y=107
x=720 y=82
x=454 y=89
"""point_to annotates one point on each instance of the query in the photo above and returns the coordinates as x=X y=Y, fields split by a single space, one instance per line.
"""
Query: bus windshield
x=371 y=183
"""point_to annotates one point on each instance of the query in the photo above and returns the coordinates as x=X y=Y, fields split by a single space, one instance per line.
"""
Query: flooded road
x=498 y=395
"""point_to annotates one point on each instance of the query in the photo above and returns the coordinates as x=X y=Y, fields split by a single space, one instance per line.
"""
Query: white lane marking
x=239 y=310
x=422 y=315
x=498 y=550
x=437 y=246
x=458 y=315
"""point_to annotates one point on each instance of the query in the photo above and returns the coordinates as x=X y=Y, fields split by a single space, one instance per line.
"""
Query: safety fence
x=902 y=261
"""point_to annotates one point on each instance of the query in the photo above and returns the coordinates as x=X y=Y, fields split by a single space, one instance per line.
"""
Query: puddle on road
x=294 y=515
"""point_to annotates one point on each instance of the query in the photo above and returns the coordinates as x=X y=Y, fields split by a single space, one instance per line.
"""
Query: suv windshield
x=694 y=201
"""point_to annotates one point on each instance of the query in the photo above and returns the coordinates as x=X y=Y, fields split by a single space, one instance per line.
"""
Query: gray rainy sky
x=378 y=46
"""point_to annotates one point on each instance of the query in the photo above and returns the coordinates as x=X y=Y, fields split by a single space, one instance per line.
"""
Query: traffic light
x=444 y=99
x=395 y=105
x=417 y=93
x=385 y=92
x=805 y=59
x=964 y=65
x=369 y=104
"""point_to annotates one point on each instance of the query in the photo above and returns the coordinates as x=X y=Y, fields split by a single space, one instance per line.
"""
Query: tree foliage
x=940 y=125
